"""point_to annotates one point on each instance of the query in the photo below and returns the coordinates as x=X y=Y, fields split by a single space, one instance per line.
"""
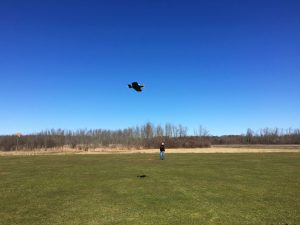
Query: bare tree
x=182 y=130
x=148 y=130
x=159 y=131
x=168 y=130
x=201 y=132
x=249 y=136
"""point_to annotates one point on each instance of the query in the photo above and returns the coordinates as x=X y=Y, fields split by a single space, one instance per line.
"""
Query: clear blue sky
x=225 y=65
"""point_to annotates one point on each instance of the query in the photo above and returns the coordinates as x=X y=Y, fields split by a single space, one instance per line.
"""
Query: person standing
x=162 y=151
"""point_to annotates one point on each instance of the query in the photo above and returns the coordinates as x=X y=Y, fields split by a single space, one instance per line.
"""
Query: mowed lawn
x=183 y=189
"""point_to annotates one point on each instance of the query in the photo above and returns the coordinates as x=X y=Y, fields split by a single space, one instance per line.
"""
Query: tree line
x=267 y=136
x=144 y=136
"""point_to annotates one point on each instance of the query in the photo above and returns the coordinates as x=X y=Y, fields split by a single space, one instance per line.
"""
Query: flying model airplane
x=136 y=86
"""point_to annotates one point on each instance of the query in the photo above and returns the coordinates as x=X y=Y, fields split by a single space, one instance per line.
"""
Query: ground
x=213 y=149
x=256 y=188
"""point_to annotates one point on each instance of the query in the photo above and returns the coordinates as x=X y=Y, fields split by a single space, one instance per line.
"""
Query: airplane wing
x=138 y=88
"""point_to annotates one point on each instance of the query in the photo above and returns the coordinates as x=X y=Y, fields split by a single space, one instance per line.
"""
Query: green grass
x=183 y=189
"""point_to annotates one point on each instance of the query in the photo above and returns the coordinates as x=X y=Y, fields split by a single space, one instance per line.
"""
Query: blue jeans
x=162 y=155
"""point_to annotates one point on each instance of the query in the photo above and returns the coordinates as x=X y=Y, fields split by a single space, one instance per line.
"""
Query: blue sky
x=225 y=65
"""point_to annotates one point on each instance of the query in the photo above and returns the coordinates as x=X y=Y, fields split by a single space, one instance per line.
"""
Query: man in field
x=162 y=151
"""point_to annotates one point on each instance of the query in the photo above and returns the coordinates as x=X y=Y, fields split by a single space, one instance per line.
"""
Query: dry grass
x=213 y=149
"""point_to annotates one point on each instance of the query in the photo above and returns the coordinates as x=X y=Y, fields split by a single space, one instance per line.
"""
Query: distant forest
x=142 y=137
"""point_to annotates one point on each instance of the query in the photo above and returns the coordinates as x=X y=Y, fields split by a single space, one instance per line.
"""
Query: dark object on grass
x=141 y=176
x=136 y=86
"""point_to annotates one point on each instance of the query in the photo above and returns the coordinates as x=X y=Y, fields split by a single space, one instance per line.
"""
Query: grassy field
x=183 y=189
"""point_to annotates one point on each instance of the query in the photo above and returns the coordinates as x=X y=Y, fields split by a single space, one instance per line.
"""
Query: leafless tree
x=159 y=131
x=145 y=136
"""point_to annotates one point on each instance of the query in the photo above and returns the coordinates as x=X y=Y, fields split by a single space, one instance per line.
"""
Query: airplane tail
x=129 y=85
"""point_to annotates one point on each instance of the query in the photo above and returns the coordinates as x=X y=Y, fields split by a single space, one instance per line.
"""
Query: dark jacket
x=162 y=148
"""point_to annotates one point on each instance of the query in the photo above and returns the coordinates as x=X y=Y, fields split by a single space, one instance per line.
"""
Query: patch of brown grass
x=213 y=149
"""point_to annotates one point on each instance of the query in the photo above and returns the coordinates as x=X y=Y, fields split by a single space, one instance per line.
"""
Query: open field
x=213 y=149
x=183 y=189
